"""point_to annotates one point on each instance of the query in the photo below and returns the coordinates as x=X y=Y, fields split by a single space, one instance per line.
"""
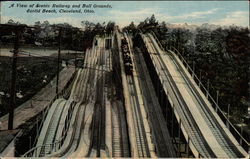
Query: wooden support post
x=13 y=81
x=167 y=113
x=193 y=69
x=58 y=60
x=158 y=88
x=241 y=131
x=188 y=147
x=172 y=123
x=29 y=142
x=36 y=153
x=179 y=137
x=217 y=100
x=228 y=112
x=207 y=88
x=37 y=128
x=200 y=79
x=161 y=94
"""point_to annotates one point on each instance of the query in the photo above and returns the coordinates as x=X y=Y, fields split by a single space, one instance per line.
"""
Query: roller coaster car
x=127 y=59
x=124 y=46
x=125 y=49
x=128 y=68
x=128 y=52
x=126 y=55
x=124 y=42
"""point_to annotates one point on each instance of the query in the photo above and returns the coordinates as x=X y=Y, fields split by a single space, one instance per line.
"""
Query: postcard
x=132 y=79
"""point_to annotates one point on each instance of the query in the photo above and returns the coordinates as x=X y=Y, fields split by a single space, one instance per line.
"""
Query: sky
x=123 y=12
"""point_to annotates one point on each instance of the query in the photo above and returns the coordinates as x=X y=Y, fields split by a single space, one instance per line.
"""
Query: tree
x=45 y=23
x=99 y=29
x=132 y=25
x=131 y=28
x=141 y=25
x=237 y=43
x=152 y=21
x=203 y=41
x=87 y=25
x=218 y=48
x=110 y=27
x=38 y=23
x=163 y=24
x=237 y=46
x=12 y=22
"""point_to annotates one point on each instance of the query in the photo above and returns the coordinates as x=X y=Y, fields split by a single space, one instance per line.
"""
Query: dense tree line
x=45 y=34
x=92 y=29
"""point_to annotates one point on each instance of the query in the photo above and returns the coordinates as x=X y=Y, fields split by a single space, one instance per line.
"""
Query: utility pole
x=13 y=81
x=58 y=60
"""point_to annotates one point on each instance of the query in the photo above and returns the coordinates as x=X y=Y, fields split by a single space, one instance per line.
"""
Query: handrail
x=209 y=97
x=52 y=147
x=158 y=41
x=44 y=113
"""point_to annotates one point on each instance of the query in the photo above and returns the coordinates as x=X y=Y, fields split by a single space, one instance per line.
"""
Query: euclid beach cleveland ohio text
x=46 y=8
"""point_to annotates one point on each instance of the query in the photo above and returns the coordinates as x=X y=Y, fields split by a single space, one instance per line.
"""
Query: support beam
x=188 y=147
x=13 y=82
x=179 y=136
x=58 y=60
x=172 y=124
